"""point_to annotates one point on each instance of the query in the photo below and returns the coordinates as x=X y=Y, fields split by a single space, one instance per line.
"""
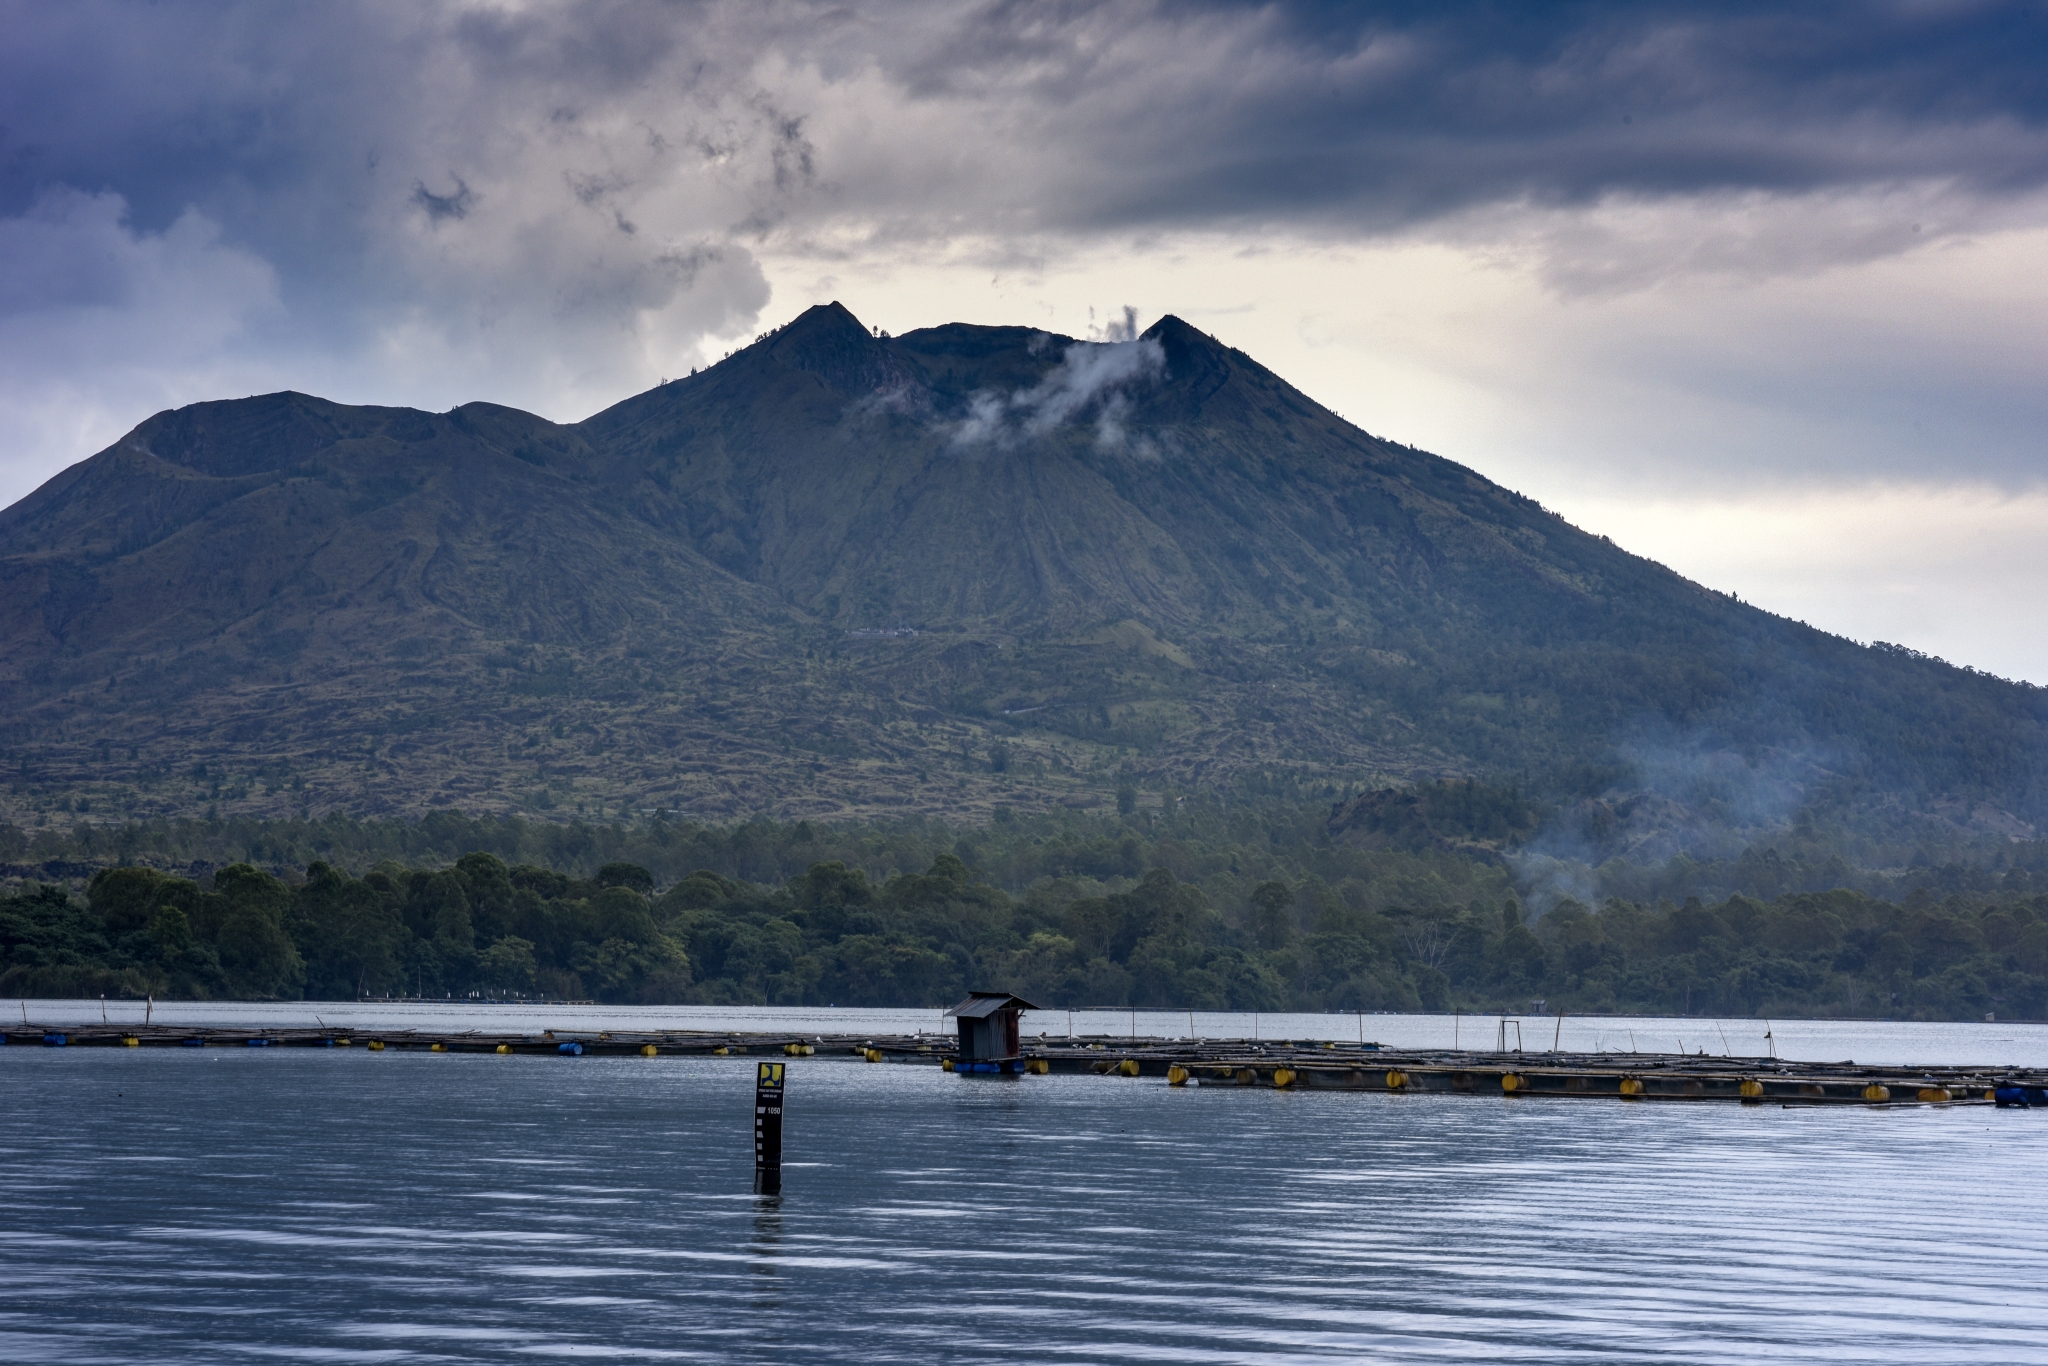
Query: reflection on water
x=1872 y=1041
x=342 y=1206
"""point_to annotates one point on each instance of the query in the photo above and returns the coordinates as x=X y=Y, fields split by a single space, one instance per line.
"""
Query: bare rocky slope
x=840 y=574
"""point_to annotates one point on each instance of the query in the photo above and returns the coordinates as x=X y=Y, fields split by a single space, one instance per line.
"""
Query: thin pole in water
x=1192 y=1036
x=1560 y=1032
x=768 y=1104
x=1361 y=1027
x=1726 y=1052
x=1457 y=1018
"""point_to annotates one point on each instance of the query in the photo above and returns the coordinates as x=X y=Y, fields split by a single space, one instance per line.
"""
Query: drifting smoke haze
x=1686 y=795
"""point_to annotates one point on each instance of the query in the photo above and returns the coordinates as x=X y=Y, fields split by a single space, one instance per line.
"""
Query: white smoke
x=1116 y=329
x=1091 y=377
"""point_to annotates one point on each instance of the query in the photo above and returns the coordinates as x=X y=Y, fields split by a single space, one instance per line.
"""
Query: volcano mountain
x=842 y=574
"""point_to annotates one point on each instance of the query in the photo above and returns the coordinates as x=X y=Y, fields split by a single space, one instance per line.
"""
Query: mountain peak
x=1178 y=330
x=823 y=320
x=826 y=340
x=1198 y=363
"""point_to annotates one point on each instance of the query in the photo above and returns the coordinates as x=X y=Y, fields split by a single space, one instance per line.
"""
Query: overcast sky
x=1759 y=291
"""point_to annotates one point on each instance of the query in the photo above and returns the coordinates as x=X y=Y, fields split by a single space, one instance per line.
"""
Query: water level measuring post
x=769 y=1078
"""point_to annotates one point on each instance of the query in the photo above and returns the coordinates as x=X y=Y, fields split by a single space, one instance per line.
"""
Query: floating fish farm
x=1274 y=1065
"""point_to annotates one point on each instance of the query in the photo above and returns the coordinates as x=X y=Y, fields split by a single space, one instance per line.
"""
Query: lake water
x=340 y=1206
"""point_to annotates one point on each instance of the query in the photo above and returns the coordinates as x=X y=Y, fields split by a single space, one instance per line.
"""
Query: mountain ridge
x=844 y=574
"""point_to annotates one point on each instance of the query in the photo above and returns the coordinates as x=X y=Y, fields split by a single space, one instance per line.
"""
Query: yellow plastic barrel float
x=505 y=1048
x=1935 y=1095
x=1129 y=1067
x=130 y=1041
x=1176 y=1075
x=1875 y=1093
x=1038 y=1067
x=1751 y=1089
x=1631 y=1088
x=439 y=1048
x=1397 y=1081
x=1283 y=1077
x=872 y=1054
x=648 y=1050
x=376 y=1045
x=1510 y=1083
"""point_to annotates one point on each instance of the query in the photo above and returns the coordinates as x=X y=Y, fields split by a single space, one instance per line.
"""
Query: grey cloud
x=1391 y=115
x=455 y=204
x=1075 y=118
x=74 y=253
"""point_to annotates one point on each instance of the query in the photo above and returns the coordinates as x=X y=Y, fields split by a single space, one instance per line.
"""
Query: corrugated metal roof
x=982 y=1004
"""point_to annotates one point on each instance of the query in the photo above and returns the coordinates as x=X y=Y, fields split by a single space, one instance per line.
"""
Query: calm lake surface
x=341 y=1206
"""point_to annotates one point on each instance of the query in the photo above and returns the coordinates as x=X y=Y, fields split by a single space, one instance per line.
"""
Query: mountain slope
x=845 y=573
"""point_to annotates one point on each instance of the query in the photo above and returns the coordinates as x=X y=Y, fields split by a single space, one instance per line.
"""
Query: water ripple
x=347 y=1207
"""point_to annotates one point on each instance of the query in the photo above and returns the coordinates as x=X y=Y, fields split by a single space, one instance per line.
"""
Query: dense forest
x=1200 y=906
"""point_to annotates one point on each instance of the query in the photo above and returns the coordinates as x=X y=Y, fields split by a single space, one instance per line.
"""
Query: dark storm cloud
x=1392 y=114
x=274 y=120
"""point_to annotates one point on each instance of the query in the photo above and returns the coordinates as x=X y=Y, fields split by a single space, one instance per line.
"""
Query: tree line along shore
x=1191 y=912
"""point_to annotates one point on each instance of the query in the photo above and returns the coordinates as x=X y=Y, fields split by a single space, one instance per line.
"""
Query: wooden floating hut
x=990 y=1028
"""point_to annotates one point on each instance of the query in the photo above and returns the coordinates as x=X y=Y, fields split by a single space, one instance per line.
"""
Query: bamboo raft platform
x=1296 y=1066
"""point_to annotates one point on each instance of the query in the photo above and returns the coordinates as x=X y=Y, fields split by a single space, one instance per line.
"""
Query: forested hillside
x=1204 y=909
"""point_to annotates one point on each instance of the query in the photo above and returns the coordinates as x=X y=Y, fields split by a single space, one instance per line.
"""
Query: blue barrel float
x=574 y=1050
x=55 y=1040
x=2021 y=1097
